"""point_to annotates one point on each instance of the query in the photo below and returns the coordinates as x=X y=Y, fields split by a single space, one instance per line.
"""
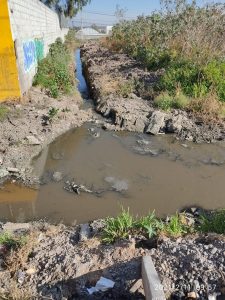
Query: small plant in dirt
x=52 y=113
x=126 y=88
x=10 y=241
x=4 y=111
x=175 y=226
x=118 y=227
x=149 y=225
x=213 y=222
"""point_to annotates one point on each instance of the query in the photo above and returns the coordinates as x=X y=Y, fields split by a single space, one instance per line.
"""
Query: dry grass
x=109 y=85
x=208 y=108
x=18 y=258
x=16 y=293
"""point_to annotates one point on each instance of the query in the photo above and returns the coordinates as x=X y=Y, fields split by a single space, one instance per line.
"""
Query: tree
x=68 y=7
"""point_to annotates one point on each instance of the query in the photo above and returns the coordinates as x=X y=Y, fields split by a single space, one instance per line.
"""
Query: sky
x=100 y=12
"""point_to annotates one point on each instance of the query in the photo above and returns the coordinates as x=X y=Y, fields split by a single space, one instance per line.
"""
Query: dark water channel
x=139 y=171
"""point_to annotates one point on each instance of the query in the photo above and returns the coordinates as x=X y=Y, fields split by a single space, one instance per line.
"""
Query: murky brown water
x=177 y=177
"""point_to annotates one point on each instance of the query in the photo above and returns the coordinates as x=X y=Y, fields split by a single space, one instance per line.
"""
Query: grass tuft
x=118 y=227
x=213 y=223
x=4 y=111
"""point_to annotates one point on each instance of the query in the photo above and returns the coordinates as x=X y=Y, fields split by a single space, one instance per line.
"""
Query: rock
x=13 y=170
x=16 y=227
x=117 y=184
x=213 y=251
x=85 y=232
x=192 y=295
x=120 y=185
x=174 y=125
x=3 y=173
x=57 y=176
x=32 y=140
x=20 y=276
x=31 y=271
x=156 y=122
x=1 y=160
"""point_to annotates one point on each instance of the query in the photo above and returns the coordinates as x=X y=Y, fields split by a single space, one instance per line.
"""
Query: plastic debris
x=102 y=285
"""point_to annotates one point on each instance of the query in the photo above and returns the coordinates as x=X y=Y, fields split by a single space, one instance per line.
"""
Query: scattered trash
x=20 y=276
x=101 y=286
x=76 y=188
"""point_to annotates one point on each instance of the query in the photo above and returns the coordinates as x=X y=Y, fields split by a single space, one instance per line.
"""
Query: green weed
x=214 y=222
x=175 y=226
x=149 y=225
x=10 y=241
x=52 y=113
x=4 y=111
x=118 y=227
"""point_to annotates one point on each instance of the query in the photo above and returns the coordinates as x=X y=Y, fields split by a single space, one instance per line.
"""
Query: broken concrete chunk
x=175 y=124
x=3 y=173
x=57 y=176
x=13 y=170
x=156 y=122
x=32 y=140
x=85 y=232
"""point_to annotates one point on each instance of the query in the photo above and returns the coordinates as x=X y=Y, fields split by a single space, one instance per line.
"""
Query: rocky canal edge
x=122 y=90
x=45 y=261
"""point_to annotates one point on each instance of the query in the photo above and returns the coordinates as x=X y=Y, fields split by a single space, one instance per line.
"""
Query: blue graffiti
x=29 y=51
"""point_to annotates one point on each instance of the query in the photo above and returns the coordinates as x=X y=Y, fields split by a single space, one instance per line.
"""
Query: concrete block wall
x=32 y=24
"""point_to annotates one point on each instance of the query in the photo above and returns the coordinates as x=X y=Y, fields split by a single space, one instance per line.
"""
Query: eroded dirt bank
x=28 y=127
x=59 y=262
x=111 y=77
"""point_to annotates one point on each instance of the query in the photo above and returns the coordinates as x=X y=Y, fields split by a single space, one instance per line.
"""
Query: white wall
x=31 y=20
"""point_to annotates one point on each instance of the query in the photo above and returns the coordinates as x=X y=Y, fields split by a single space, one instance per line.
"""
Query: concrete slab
x=151 y=282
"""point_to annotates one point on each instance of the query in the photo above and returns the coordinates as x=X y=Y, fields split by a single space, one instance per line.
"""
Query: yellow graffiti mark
x=9 y=80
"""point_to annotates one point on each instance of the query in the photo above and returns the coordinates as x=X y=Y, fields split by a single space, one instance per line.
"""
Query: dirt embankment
x=59 y=262
x=28 y=127
x=122 y=90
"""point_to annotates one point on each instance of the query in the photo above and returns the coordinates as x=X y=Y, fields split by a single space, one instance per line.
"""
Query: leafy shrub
x=53 y=71
x=214 y=222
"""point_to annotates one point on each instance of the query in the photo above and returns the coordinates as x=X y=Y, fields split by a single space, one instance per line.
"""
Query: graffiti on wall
x=29 y=52
x=33 y=51
x=39 y=46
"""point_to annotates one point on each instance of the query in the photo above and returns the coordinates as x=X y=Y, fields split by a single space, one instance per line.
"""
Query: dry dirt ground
x=60 y=263
x=32 y=124
x=123 y=91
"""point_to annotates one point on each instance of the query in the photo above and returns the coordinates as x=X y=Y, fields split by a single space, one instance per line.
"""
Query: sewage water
x=151 y=173
x=138 y=171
